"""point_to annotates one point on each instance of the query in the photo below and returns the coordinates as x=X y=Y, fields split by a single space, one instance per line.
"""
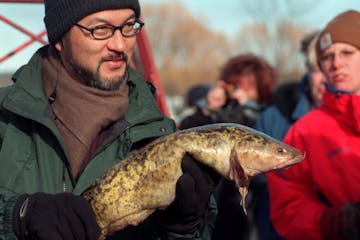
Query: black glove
x=193 y=191
x=60 y=216
x=342 y=223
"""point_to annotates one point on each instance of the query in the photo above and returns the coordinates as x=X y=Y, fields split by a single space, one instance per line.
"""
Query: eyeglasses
x=106 y=31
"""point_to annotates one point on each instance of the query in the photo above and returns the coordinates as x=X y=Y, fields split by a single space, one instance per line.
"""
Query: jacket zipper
x=64 y=187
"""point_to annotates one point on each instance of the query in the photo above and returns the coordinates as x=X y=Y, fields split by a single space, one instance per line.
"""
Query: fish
x=145 y=180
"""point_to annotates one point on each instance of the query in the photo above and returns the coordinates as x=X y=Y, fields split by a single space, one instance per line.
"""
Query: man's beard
x=95 y=80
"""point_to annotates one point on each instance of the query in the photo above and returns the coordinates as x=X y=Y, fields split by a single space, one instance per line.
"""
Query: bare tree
x=187 y=52
x=280 y=48
x=276 y=34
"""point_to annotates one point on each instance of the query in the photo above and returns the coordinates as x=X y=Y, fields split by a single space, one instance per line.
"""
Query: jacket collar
x=27 y=97
x=344 y=107
x=335 y=90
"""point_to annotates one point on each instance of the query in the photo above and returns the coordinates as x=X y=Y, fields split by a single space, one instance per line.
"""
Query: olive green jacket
x=33 y=156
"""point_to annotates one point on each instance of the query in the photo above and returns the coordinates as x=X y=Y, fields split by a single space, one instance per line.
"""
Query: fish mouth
x=289 y=163
x=284 y=164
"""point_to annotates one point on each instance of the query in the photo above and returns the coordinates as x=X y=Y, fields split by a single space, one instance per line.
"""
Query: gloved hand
x=193 y=191
x=342 y=223
x=56 y=217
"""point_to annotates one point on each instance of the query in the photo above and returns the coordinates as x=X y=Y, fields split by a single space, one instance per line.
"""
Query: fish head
x=258 y=153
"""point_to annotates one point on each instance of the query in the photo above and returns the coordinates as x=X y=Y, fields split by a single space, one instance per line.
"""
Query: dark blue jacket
x=292 y=101
x=274 y=123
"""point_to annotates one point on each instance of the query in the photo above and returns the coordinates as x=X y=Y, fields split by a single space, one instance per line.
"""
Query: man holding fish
x=76 y=109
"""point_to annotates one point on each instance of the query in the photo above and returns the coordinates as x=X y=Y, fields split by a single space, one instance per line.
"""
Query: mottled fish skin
x=145 y=181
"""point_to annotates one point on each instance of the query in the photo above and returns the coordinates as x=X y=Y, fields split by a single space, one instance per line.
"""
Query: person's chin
x=342 y=86
x=111 y=79
x=110 y=73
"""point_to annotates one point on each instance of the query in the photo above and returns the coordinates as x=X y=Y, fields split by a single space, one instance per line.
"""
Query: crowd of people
x=78 y=107
x=317 y=114
x=319 y=198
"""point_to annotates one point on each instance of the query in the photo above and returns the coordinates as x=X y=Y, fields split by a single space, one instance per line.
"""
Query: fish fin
x=232 y=174
x=241 y=179
x=243 y=192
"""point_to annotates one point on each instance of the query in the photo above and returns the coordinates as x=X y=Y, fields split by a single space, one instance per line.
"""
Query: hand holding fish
x=54 y=216
x=193 y=190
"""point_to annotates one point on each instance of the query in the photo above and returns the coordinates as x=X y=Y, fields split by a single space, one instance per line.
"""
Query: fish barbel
x=146 y=180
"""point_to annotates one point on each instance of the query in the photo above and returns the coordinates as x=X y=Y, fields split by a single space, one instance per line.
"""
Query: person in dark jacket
x=76 y=109
x=244 y=88
x=249 y=81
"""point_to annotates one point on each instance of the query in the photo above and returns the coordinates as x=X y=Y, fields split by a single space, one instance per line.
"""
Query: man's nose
x=117 y=42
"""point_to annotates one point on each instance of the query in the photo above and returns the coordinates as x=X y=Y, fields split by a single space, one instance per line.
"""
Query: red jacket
x=329 y=176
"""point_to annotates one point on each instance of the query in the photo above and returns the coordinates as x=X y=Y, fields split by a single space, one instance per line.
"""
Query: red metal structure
x=145 y=54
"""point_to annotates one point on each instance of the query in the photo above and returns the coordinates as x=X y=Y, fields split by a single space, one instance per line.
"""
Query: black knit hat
x=61 y=15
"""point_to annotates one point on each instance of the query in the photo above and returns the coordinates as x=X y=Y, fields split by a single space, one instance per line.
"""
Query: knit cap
x=344 y=28
x=61 y=15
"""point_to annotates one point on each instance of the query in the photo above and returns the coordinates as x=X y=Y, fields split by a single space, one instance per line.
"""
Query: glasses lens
x=130 y=29
x=102 y=32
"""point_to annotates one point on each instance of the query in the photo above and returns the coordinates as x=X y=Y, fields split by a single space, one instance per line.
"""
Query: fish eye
x=281 y=150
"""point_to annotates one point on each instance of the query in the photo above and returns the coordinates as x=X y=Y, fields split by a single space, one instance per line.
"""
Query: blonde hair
x=308 y=48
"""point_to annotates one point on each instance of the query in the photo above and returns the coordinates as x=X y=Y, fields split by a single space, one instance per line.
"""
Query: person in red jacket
x=320 y=197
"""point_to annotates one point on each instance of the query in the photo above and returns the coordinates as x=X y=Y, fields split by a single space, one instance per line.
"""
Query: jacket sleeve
x=295 y=203
x=7 y=197
x=7 y=202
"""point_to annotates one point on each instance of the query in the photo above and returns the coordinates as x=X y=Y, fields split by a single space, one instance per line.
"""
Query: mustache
x=116 y=56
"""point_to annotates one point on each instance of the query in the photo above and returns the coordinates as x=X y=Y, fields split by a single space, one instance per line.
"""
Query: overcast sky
x=224 y=15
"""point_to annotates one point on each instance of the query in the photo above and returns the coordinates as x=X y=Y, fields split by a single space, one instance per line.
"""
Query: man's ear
x=59 y=46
